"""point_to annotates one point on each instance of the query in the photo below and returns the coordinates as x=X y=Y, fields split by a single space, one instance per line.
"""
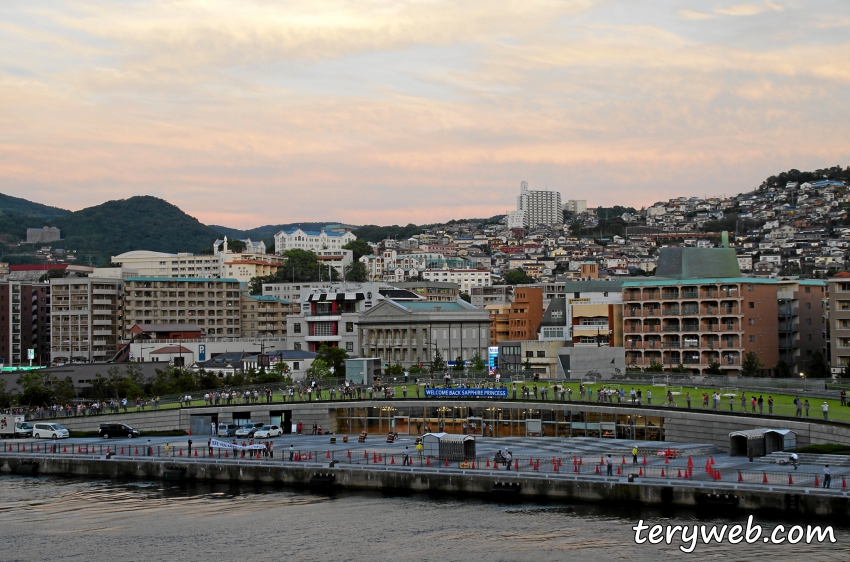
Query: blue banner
x=466 y=393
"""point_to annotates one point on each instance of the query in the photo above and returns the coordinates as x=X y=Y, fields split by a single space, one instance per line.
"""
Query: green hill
x=17 y=207
x=137 y=223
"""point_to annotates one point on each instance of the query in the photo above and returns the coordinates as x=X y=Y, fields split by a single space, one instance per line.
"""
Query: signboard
x=493 y=357
x=202 y=352
x=466 y=393
x=30 y=354
x=571 y=301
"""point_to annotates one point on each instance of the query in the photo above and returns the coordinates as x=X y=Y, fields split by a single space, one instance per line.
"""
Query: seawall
x=482 y=482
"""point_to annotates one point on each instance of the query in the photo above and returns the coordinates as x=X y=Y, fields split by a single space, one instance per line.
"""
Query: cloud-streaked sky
x=256 y=112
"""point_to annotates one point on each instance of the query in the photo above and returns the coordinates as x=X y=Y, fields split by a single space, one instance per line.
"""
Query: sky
x=253 y=112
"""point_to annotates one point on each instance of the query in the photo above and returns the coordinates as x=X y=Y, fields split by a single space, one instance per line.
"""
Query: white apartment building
x=313 y=240
x=242 y=266
x=515 y=219
x=541 y=207
x=466 y=278
x=576 y=206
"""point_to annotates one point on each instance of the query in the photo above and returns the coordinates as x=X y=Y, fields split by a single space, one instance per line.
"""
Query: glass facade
x=504 y=421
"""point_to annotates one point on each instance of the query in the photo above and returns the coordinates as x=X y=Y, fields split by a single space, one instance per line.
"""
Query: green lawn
x=783 y=403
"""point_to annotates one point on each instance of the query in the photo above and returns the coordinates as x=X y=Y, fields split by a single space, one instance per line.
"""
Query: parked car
x=49 y=431
x=108 y=430
x=268 y=431
x=227 y=429
x=248 y=429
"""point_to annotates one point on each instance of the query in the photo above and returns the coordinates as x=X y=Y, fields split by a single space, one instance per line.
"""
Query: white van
x=49 y=431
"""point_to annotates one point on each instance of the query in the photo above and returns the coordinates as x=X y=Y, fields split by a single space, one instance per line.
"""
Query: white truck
x=14 y=426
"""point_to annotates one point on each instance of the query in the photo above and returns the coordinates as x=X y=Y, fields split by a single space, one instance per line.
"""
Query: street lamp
x=260 y=362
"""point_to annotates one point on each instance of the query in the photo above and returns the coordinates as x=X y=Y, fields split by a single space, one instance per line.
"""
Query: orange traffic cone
x=122 y=450
x=64 y=448
x=428 y=461
x=690 y=461
x=374 y=458
x=790 y=480
x=310 y=455
x=560 y=463
x=516 y=465
x=601 y=461
x=447 y=462
x=392 y=459
x=662 y=473
x=843 y=482
x=137 y=451
x=473 y=464
x=225 y=454
x=327 y=456
x=575 y=468
x=644 y=459
x=679 y=474
x=24 y=448
x=624 y=460
x=365 y=455
x=179 y=452
x=717 y=475
x=10 y=448
x=712 y=460
x=640 y=471
x=38 y=448
x=535 y=466
x=817 y=482
x=764 y=480
x=196 y=452
x=666 y=459
x=619 y=472
x=597 y=469
x=740 y=476
x=348 y=453
x=580 y=461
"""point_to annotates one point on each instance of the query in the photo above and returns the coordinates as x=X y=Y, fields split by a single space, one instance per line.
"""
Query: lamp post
x=260 y=363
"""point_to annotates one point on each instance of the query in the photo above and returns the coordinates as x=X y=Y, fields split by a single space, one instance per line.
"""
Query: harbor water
x=54 y=518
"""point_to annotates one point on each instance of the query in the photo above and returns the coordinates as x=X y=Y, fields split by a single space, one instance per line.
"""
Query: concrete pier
x=563 y=486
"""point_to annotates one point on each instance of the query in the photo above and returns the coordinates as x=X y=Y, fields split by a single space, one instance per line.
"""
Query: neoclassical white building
x=313 y=240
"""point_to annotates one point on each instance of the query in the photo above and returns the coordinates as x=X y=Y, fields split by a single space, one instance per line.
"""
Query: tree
x=334 y=357
x=396 y=369
x=655 y=367
x=5 y=396
x=714 y=368
x=235 y=245
x=300 y=266
x=751 y=366
x=818 y=367
x=43 y=389
x=356 y=272
x=526 y=366
x=782 y=370
x=438 y=364
x=466 y=297
x=478 y=365
x=517 y=277
x=359 y=248
x=319 y=369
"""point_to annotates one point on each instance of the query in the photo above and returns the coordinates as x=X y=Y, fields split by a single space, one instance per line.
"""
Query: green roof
x=444 y=306
x=697 y=263
x=816 y=282
x=650 y=282
x=189 y=279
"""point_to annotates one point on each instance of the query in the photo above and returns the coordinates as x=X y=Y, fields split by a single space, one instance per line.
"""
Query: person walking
x=609 y=465
x=798 y=405
x=761 y=404
x=649 y=397
x=291 y=453
x=688 y=399
x=825 y=408
x=793 y=460
x=405 y=458
x=190 y=447
x=420 y=448
x=150 y=448
x=634 y=454
x=770 y=404
x=843 y=399
x=731 y=403
x=508 y=457
x=827 y=476
x=806 y=406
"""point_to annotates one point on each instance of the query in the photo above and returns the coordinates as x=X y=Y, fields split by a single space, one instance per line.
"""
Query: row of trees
x=751 y=366
x=303 y=266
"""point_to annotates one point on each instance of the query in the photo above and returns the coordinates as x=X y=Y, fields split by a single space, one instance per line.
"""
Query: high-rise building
x=576 y=206
x=540 y=207
x=85 y=319
x=25 y=322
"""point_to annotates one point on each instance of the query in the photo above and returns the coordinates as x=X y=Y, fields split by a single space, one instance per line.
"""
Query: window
x=809 y=305
x=296 y=328
x=809 y=321
x=296 y=346
x=752 y=321
x=297 y=364
x=808 y=289
x=751 y=304
x=750 y=288
x=349 y=327
x=529 y=354
x=541 y=354
x=752 y=338
x=349 y=346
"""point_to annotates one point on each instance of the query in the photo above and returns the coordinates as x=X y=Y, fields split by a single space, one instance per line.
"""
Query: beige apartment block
x=265 y=316
x=212 y=304
x=85 y=319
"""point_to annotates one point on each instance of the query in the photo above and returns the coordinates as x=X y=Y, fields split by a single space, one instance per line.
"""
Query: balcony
x=670 y=295
x=690 y=294
x=690 y=311
x=672 y=328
